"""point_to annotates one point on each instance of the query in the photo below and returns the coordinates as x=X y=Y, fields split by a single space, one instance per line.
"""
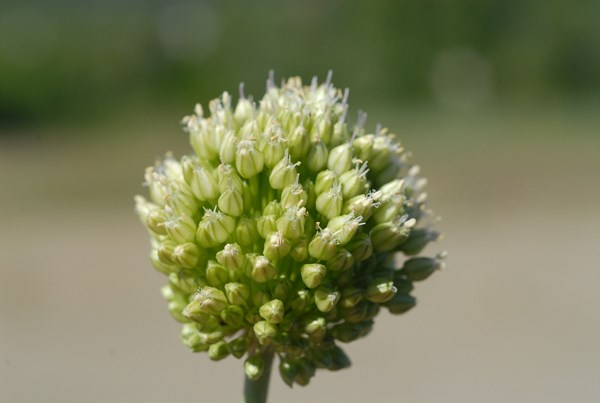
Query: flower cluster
x=287 y=230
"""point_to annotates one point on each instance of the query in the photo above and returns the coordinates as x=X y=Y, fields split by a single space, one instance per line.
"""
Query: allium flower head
x=287 y=230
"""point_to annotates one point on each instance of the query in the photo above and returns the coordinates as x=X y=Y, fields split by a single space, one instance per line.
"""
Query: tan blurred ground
x=513 y=318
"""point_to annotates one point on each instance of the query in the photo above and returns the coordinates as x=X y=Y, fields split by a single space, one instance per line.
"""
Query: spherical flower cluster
x=287 y=230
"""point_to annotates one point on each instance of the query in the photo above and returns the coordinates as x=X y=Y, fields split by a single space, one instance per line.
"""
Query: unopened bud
x=276 y=246
x=283 y=173
x=218 y=351
x=325 y=181
x=181 y=229
x=342 y=261
x=313 y=274
x=263 y=270
x=214 y=228
x=264 y=332
x=272 y=311
x=419 y=268
x=216 y=275
x=254 y=367
x=323 y=246
x=326 y=299
x=237 y=293
x=329 y=203
x=186 y=255
x=232 y=257
x=340 y=159
x=248 y=160
x=380 y=291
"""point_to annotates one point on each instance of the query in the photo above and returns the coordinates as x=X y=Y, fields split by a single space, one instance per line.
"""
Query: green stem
x=256 y=391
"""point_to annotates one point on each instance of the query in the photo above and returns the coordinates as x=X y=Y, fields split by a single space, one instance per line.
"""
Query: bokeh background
x=498 y=100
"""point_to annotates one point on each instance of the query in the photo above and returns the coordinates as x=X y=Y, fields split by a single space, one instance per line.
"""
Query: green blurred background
x=498 y=100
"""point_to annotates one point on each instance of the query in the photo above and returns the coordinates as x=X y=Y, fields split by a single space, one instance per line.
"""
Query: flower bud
x=276 y=246
x=237 y=293
x=231 y=202
x=246 y=232
x=218 y=351
x=186 y=255
x=214 y=228
x=354 y=181
x=363 y=147
x=362 y=205
x=155 y=220
x=181 y=200
x=417 y=240
x=302 y=301
x=233 y=316
x=345 y=227
x=318 y=154
x=323 y=245
x=263 y=270
x=380 y=290
x=216 y=274
x=187 y=283
x=347 y=332
x=203 y=185
x=329 y=204
x=387 y=236
x=283 y=289
x=228 y=148
x=273 y=208
x=208 y=300
x=190 y=337
x=254 y=367
x=165 y=251
x=248 y=160
x=293 y=195
x=266 y=225
x=325 y=181
x=400 y=303
x=272 y=311
x=161 y=266
x=228 y=177
x=419 y=268
x=340 y=159
x=181 y=229
x=360 y=247
x=287 y=371
x=274 y=150
x=264 y=332
x=238 y=347
x=316 y=328
x=313 y=274
x=283 y=173
x=232 y=257
x=326 y=299
x=350 y=297
x=323 y=129
x=299 y=251
x=291 y=223
x=342 y=261
x=299 y=143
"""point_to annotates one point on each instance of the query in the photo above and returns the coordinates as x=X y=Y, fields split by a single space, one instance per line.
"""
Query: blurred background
x=498 y=100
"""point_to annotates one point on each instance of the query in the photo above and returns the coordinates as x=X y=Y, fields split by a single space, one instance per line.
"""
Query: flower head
x=288 y=229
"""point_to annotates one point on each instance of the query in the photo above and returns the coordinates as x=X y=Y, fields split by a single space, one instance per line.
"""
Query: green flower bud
x=283 y=289
x=360 y=247
x=350 y=297
x=159 y=265
x=181 y=201
x=417 y=240
x=185 y=282
x=165 y=251
x=186 y=255
x=208 y=300
x=181 y=229
x=347 y=332
x=288 y=372
x=254 y=367
x=246 y=232
x=316 y=328
x=228 y=177
x=276 y=246
x=216 y=274
x=302 y=301
x=325 y=181
x=293 y=195
x=227 y=151
x=155 y=220
x=329 y=203
x=238 y=347
x=354 y=181
x=291 y=223
x=248 y=160
x=363 y=147
x=342 y=261
x=326 y=299
x=340 y=159
x=231 y=202
x=345 y=227
x=272 y=311
x=259 y=297
x=400 y=303
x=266 y=225
x=204 y=186
x=313 y=274
x=190 y=337
x=283 y=173
x=318 y=154
x=419 y=268
x=387 y=236
x=218 y=351
x=299 y=143
x=274 y=150
x=380 y=291
x=265 y=332
x=323 y=245
x=233 y=316
x=244 y=109
x=360 y=312
x=232 y=257
x=263 y=270
x=273 y=208
x=362 y=205
x=212 y=334
x=214 y=228
x=323 y=129
x=305 y=371
x=237 y=293
x=299 y=251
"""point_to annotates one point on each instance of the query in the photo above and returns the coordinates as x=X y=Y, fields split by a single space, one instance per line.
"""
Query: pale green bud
x=299 y=251
x=340 y=159
x=293 y=195
x=318 y=154
x=231 y=202
x=284 y=172
x=185 y=282
x=419 y=268
x=363 y=147
x=238 y=347
x=228 y=177
x=248 y=160
x=380 y=290
x=272 y=311
x=291 y=223
x=282 y=289
x=216 y=275
x=273 y=208
x=316 y=328
x=276 y=246
x=326 y=299
x=274 y=150
x=188 y=164
x=156 y=186
x=301 y=302
x=383 y=148
x=389 y=208
x=190 y=337
x=323 y=129
x=263 y=270
x=350 y=297
x=186 y=255
x=342 y=261
x=165 y=251
x=345 y=227
x=211 y=336
x=325 y=181
x=182 y=201
x=208 y=300
x=204 y=186
x=299 y=143
x=233 y=316
x=395 y=187
x=228 y=148
x=354 y=181
x=214 y=228
x=232 y=257
x=266 y=225
x=244 y=110
x=246 y=232
x=264 y=331
x=218 y=351
x=155 y=220
x=237 y=293
x=313 y=274
x=387 y=236
x=329 y=204
x=254 y=367
x=323 y=245
x=311 y=199
x=161 y=266
x=181 y=229
x=360 y=247
x=362 y=205
x=200 y=142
